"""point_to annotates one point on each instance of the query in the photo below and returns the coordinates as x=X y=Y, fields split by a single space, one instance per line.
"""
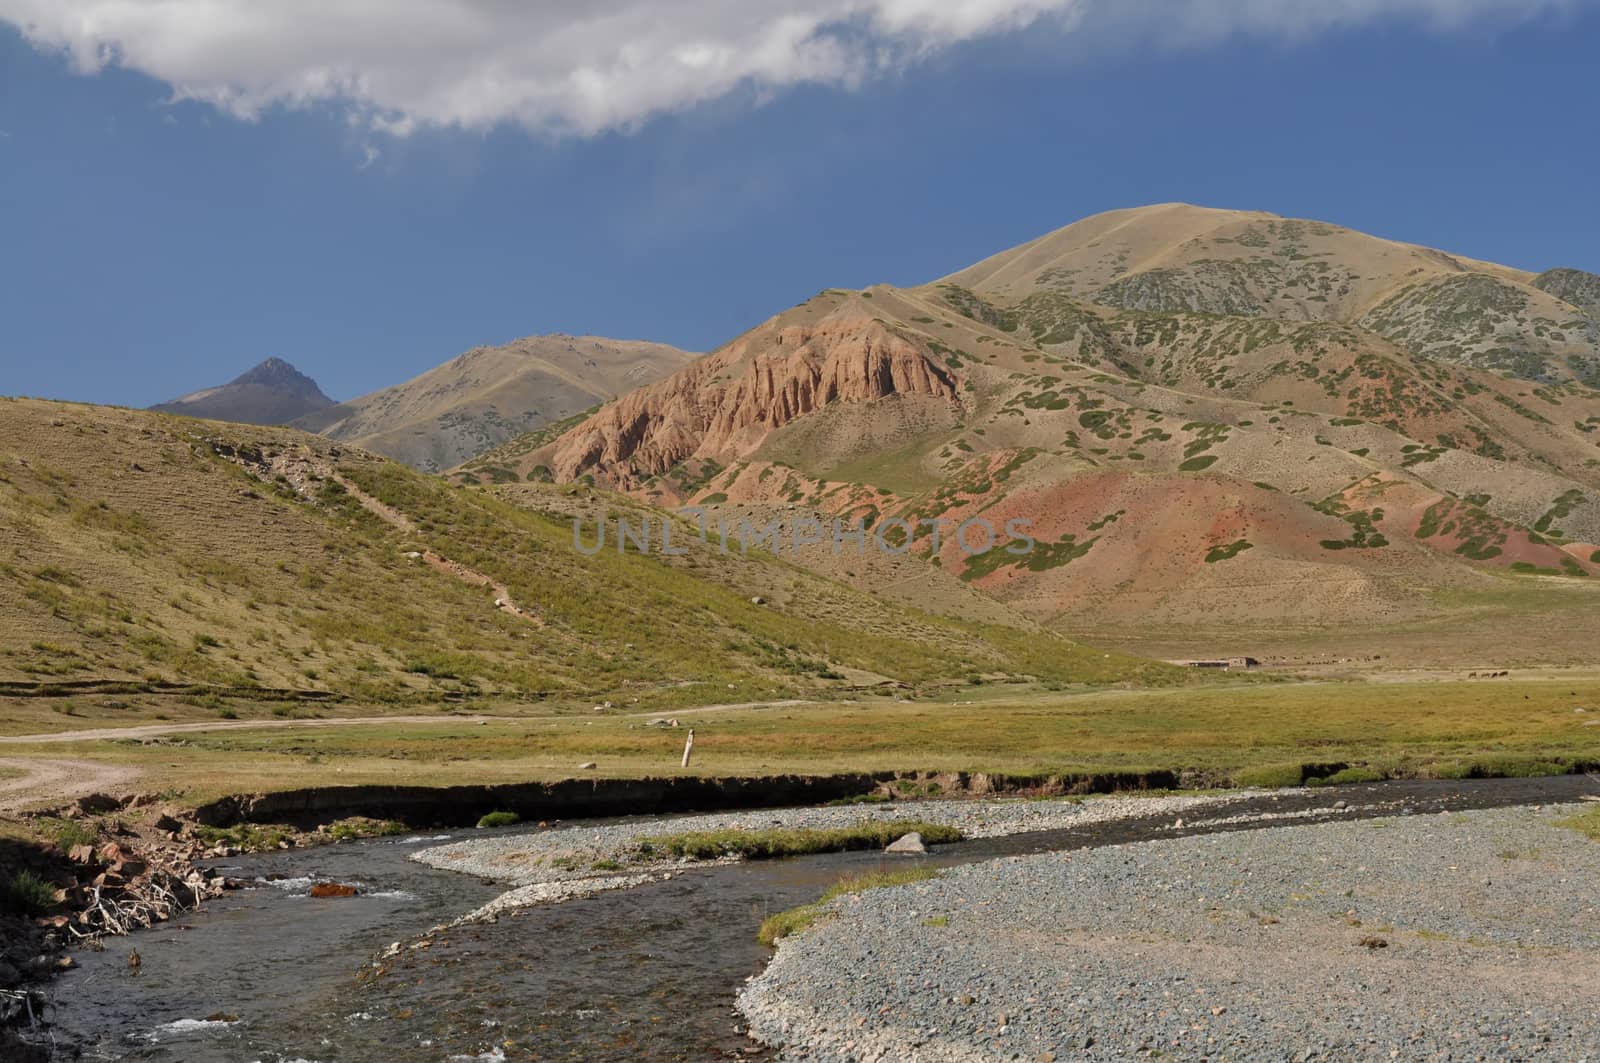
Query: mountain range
x=450 y=413
x=1196 y=419
x=1206 y=415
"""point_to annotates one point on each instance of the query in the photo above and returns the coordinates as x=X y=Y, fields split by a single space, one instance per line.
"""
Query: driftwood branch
x=152 y=898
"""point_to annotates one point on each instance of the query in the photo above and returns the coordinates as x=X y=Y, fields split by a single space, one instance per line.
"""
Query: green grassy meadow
x=1226 y=733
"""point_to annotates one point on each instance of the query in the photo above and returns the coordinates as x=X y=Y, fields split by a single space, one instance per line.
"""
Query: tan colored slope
x=1086 y=257
x=1308 y=408
x=762 y=394
x=1369 y=384
x=1175 y=258
x=493 y=394
x=1098 y=248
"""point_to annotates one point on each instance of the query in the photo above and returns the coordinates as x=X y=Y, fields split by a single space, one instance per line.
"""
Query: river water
x=270 y=974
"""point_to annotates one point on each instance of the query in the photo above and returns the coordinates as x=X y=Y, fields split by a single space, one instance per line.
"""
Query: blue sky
x=151 y=247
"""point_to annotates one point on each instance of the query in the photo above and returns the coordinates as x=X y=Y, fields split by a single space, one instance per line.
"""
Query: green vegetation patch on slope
x=1228 y=551
x=1365 y=534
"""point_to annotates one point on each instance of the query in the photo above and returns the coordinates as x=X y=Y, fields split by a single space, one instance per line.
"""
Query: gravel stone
x=1241 y=946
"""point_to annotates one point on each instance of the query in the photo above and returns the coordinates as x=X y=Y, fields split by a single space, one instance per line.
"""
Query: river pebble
x=1468 y=936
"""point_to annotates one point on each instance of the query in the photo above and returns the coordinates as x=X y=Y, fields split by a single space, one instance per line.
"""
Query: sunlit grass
x=793 y=841
x=781 y=925
x=1586 y=822
x=1262 y=735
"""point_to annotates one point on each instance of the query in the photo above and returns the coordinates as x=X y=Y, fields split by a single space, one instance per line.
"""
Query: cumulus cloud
x=588 y=66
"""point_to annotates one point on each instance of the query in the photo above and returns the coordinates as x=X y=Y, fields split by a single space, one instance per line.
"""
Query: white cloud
x=587 y=66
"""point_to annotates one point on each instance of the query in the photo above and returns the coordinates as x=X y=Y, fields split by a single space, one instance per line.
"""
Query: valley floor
x=1255 y=729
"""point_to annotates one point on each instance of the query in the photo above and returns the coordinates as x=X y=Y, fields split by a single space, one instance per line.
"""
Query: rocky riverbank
x=116 y=864
x=1456 y=936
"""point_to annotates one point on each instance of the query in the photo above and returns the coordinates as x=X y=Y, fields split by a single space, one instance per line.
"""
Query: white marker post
x=688 y=748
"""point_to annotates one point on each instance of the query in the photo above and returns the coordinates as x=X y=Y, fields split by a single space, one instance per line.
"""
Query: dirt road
x=39 y=780
x=42 y=780
x=159 y=730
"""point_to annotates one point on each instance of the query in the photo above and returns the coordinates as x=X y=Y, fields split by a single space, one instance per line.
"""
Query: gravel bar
x=1456 y=936
x=571 y=853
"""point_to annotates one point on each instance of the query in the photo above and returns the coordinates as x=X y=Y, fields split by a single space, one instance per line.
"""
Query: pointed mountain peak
x=273 y=392
x=279 y=375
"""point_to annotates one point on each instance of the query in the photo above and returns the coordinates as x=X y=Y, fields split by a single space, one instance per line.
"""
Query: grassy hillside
x=158 y=551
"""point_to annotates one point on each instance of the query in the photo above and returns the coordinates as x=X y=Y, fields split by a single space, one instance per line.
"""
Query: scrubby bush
x=874 y=798
x=1586 y=822
x=25 y=893
x=1502 y=766
x=362 y=827
x=499 y=819
x=68 y=833
x=246 y=837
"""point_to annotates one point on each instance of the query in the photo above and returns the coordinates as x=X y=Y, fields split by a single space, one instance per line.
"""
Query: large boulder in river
x=333 y=889
x=910 y=843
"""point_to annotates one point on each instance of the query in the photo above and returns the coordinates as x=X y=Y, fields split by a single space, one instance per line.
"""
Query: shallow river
x=272 y=975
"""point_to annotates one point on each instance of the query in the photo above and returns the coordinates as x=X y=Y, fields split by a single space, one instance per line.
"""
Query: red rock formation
x=726 y=404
